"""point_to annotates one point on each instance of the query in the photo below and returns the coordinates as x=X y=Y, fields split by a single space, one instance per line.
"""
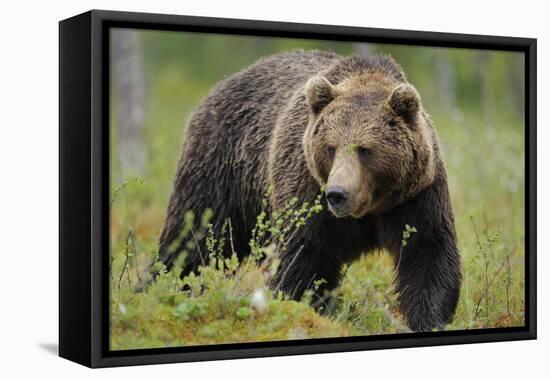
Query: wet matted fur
x=301 y=120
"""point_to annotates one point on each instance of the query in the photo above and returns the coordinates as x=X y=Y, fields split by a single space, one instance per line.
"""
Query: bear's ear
x=405 y=102
x=319 y=93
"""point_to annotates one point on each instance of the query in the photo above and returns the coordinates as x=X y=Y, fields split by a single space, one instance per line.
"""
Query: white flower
x=259 y=301
x=122 y=309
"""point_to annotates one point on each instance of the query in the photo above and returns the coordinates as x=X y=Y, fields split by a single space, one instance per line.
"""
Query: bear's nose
x=336 y=197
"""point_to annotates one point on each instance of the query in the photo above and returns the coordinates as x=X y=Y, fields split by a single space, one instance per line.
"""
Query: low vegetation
x=476 y=100
x=230 y=301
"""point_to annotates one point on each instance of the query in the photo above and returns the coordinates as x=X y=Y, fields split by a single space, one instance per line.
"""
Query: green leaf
x=352 y=148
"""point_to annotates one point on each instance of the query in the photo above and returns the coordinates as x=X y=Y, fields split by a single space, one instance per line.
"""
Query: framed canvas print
x=234 y=188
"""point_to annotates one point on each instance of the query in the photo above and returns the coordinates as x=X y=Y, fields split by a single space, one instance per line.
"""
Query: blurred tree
x=129 y=90
x=445 y=80
x=517 y=85
x=485 y=58
x=362 y=49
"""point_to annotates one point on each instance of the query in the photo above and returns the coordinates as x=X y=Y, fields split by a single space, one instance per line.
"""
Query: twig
x=231 y=236
x=198 y=246
x=466 y=286
x=134 y=252
x=126 y=258
x=366 y=307
x=508 y=283
x=395 y=272
x=111 y=259
x=485 y=293
x=293 y=294
x=283 y=276
x=486 y=261
x=122 y=186
x=286 y=242
x=393 y=320
x=482 y=250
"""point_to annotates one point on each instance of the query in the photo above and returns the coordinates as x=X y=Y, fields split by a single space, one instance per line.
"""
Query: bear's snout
x=336 y=197
x=346 y=191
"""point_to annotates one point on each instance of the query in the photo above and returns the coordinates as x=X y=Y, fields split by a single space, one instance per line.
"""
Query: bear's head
x=368 y=141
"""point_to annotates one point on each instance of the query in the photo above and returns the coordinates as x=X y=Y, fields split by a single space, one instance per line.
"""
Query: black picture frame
x=84 y=193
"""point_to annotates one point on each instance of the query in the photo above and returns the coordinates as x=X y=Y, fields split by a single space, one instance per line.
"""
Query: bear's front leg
x=300 y=270
x=428 y=279
x=427 y=261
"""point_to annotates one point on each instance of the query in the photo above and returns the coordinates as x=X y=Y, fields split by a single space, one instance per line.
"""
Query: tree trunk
x=446 y=82
x=129 y=101
x=362 y=49
x=487 y=91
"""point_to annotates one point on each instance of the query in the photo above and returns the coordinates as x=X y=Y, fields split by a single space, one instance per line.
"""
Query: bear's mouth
x=346 y=211
x=341 y=212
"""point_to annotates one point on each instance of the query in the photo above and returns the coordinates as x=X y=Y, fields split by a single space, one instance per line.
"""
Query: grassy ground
x=486 y=176
x=487 y=195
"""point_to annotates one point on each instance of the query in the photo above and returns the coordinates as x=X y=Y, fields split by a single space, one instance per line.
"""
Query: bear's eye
x=330 y=152
x=393 y=123
x=363 y=152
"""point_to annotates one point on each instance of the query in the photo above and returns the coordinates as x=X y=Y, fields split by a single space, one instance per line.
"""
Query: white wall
x=29 y=189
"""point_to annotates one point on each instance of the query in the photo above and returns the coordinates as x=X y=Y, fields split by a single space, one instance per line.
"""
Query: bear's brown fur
x=302 y=120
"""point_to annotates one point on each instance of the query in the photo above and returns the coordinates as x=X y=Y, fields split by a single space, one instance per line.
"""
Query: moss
x=151 y=323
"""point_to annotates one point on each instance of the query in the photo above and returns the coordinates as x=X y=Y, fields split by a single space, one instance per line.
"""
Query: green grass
x=486 y=186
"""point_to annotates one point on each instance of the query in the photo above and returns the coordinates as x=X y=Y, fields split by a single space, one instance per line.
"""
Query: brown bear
x=303 y=120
